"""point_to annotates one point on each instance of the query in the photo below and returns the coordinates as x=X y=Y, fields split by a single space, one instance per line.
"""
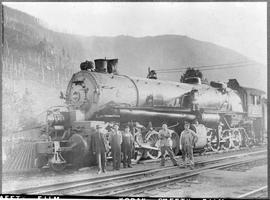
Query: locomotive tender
x=229 y=115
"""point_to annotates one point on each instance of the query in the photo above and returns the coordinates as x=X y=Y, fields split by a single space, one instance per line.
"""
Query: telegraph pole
x=2 y=24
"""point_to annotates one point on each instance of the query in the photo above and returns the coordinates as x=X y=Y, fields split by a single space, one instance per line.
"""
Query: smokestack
x=101 y=65
x=112 y=66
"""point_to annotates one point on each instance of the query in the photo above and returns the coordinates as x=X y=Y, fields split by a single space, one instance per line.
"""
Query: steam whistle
x=151 y=74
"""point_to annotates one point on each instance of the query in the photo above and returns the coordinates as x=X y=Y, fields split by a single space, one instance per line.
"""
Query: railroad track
x=135 y=181
x=257 y=193
x=224 y=152
x=138 y=186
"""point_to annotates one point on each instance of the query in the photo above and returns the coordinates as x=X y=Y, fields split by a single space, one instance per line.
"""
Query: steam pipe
x=144 y=113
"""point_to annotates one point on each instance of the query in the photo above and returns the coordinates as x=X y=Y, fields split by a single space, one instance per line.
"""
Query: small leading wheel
x=153 y=140
x=58 y=167
x=214 y=143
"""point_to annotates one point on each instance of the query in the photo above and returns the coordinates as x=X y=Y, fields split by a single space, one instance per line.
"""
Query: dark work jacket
x=127 y=142
x=115 y=140
x=188 y=138
x=99 y=143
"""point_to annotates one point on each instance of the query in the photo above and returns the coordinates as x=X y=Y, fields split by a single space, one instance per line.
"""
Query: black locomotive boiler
x=229 y=115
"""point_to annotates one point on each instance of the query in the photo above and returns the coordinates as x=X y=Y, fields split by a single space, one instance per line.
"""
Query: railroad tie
x=19 y=158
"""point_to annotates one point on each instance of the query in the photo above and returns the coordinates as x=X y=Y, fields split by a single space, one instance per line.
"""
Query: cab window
x=255 y=100
x=186 y=101
x=258 y=100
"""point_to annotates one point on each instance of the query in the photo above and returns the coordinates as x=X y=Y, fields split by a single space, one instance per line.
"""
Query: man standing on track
x=164 y=136
x=115 y=139
x=127 y=147
x=99 y=145
x=188 y=139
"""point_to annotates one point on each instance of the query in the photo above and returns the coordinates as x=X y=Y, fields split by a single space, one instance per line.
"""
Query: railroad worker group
x=123 y=142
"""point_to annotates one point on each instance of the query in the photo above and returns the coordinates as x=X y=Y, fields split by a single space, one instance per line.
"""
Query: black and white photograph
x=132 y=100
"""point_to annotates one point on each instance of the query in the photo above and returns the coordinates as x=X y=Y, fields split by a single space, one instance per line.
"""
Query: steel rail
x=240 y=151
x=144 y=174
x=87 y=182
x=52 y=187
x=60 y=187
x=139 y=187
x=248 y=194
x=160 y=179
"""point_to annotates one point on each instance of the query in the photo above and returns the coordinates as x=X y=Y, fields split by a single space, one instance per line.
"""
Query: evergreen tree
x=26 y=114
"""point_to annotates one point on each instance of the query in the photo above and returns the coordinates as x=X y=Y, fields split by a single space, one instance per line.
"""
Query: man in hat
x=195 y=125
x=99 y=146
x=115 y=139
x=165 y=137
x=219 y=131
x=127 y=147
x=188 y=139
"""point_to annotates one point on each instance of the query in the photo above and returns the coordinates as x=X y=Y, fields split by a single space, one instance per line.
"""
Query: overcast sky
x=240 y=26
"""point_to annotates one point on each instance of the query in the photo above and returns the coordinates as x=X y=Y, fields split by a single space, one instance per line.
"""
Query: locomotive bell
x=87 y=65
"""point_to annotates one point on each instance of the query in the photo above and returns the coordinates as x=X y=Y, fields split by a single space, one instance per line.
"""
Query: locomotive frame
x=230 y=116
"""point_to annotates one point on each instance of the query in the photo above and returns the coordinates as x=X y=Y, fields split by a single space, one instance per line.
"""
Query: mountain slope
x=166 y=51
x=26 y=37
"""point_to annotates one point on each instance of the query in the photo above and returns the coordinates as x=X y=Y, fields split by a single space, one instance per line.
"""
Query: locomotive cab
x=255 y=110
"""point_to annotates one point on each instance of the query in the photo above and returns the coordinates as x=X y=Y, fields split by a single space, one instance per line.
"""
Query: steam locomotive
x=229 y=115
